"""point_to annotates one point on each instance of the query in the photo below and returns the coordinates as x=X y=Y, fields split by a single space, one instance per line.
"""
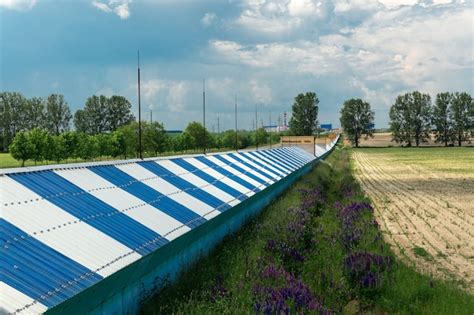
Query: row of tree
x=100 y=114
x=18 y=113
x=413 y=118
x=39 y=144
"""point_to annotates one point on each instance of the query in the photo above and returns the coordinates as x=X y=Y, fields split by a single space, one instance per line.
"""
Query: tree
x=260 y=136
x=356 y=118
x=199 y=136
x=129 y=134
x=154 y=137
x=21 y=148
x=11 y=116
x=56 y=148
x=34 y=114
x=39 y=140
x=462 y=115
x=304 y=119
x=71 y=143
x=441 y=118
x=106 y=144
x=58 y=115
x=93 y=118
x=88 y=147
x=102 y=114
x=119 y=144
x=410 y=118
x=118 y=112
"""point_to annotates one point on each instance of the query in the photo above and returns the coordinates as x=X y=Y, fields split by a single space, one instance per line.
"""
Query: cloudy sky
x=265 y=52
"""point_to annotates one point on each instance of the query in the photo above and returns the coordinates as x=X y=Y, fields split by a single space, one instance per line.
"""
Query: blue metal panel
x=185 y=185
x=208 y=178
x=226 y=173
x=284 y=156
x=285 y=166
x=266 y=175
x=149 y=195
x=91 y=210
x=35 y=269
x=292 y=155
x=257 y=158
x=288 y=158
x=274 y=174
x=241 y=170
x=326 y=126
x=295 y=155
x=282 y=159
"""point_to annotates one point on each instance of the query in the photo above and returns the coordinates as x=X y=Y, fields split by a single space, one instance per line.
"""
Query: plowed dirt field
x=424 y=200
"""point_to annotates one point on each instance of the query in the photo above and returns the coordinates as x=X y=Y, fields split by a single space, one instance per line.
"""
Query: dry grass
x=424 y=203
x=383 y=139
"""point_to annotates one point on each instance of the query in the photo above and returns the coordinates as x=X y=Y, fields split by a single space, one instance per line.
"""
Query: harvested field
x=424 y=199
x=384 y=139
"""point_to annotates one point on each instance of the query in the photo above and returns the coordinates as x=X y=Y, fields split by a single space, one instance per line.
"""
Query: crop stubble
x=418 y=207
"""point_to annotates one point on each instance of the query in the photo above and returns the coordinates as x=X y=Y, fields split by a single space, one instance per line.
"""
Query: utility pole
x=204 y=110
x=218 y=125
x=270 y=128
x=256 y=128
x=139 y=113
x=151 y=116
x=236 y=136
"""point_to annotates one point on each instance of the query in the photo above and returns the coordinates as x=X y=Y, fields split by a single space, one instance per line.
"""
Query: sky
x=262 y=52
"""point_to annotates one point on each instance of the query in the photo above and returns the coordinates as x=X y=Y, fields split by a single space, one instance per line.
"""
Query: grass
x=309 y=238
x=457 y=160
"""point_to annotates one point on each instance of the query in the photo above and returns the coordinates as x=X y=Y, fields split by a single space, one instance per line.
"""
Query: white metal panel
x=152 y=180
x=197 y=181
x=288 y=167
x=268 y=179
x=293 y=155
x=252 y=163
x=267 y=163
x=226 y=180
x=320 y=150
x=121 y=200
x=78 y=240
x=229 y=168
x=11 y=299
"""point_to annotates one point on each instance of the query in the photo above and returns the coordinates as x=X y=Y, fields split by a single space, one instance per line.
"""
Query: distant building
x=276 y=128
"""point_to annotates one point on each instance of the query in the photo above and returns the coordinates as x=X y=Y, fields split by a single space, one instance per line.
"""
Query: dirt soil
x=426 y=214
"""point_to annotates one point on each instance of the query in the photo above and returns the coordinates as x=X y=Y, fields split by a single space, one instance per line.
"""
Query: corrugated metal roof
x=64 y=228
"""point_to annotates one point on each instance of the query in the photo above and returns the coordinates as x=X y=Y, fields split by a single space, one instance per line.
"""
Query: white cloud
x=20 y=5
x=208 y=19
x=119 y=7
x=399 y=48
x=169 y=94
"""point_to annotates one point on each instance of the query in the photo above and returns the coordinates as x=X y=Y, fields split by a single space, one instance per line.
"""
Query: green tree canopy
x=462 y=116
x=441 y=118
x=199 y=136
x=304 y=119
x=410 y=118
x=11 y=116
x=356 y=118
x=21 y=148
x=58 y=114
x=102 y=114
x=155 y=138
x=39 y=140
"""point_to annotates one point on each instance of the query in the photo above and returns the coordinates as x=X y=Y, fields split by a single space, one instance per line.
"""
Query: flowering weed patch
x=315 y=250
